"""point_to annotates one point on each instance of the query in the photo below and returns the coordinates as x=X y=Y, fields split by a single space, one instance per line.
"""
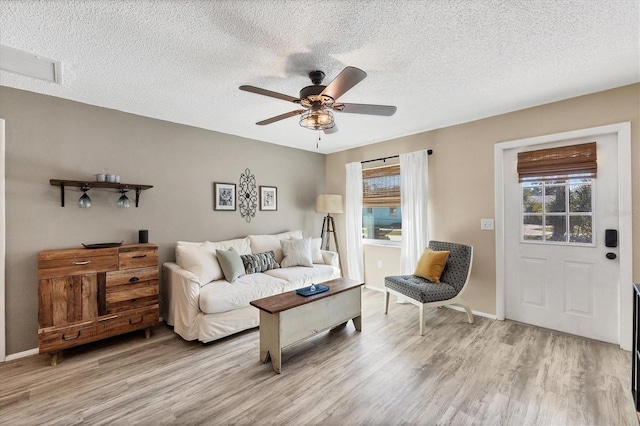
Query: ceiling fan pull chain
x=318 y=141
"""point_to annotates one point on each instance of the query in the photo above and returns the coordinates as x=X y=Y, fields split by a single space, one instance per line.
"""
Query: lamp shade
x=329 y=203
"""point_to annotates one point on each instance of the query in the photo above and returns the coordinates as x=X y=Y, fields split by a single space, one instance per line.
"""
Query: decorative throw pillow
x=259 y=262
x=296 y=253
x=431 y=264
x=316 y=251
x=231 y=264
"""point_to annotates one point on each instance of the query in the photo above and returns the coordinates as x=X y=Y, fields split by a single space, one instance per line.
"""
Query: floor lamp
x=329 y=204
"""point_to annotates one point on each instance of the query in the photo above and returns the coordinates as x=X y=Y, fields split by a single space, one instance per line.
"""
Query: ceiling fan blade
x=280 y=117
x=331 y=130
x=266 y=92
x=348 y=77
x=385 y=110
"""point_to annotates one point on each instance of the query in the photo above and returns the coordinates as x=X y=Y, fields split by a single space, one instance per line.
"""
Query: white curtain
x=353 y=203
x=414 y=168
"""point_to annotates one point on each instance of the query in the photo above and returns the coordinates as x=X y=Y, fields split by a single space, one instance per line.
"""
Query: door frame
x=3 y=237
x=625 y=240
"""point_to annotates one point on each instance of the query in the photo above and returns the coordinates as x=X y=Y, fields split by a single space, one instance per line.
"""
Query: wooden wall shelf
x=87 y=184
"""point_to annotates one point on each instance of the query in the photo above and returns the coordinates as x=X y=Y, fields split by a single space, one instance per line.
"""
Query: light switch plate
x=486 y=224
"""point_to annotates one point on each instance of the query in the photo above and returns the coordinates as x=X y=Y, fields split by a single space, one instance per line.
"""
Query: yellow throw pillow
x=431 y=264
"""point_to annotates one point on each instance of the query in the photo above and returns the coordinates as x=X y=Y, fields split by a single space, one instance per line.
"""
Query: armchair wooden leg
x=469 y=314
x=461 y=302
x=422 y=319
x=386 y=301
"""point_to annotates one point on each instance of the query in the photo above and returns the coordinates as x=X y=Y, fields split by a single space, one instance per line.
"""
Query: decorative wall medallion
x=247 y=195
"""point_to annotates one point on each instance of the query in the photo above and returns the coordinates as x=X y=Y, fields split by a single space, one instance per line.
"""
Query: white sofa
x=203 y=305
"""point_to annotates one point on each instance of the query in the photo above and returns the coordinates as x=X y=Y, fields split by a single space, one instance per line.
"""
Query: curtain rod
x=429 y=152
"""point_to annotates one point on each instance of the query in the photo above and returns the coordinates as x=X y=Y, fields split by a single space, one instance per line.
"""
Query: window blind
x=381 y=187
x=558 y=163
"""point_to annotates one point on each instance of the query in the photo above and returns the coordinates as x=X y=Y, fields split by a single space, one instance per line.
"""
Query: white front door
x=557 y=274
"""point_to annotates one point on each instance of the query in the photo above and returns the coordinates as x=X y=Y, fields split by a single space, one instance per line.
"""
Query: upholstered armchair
x=427 y=294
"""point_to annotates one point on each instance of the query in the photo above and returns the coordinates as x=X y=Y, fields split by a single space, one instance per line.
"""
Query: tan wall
x=461 y=172
x=47 y=137
x=379 y=262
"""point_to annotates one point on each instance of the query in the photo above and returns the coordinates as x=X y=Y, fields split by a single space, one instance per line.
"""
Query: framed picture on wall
x=224 y=196
x=268 y=198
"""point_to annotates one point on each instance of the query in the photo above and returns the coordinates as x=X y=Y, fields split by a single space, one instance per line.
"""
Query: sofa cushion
x=231 y=264
x=290 y=235
x=222 y=296
x=259 y=262
x=241 y=245
x=264 y=243
x=296 y=253
x=190 y=243
x=300 y=276
x=199 y=259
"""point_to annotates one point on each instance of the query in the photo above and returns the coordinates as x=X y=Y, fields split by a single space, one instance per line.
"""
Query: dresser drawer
x=138 y=256
x=54 y=339
x=129 y=277
x=139 y=295
x=132 y=320
x=58 y=263
x=130 y=289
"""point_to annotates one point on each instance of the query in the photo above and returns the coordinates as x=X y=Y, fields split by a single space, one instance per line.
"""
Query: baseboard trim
x=478 y=313
x=378 y=289
x=22 y=354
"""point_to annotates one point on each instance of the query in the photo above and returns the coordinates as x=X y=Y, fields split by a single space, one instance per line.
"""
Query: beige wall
x=379 y=262
x=47 y=137
x=461 y=173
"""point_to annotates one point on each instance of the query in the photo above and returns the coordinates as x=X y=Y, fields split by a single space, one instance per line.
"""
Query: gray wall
x=48 y=137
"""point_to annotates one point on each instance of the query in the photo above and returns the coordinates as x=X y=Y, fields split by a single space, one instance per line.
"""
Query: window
x=558 y=211
x=381 y=214
x=557 y=188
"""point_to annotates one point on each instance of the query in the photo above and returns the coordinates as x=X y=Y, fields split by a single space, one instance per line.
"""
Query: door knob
x=611 y=255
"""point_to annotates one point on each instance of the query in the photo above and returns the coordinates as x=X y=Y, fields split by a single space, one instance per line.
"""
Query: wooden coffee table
x=289 y=318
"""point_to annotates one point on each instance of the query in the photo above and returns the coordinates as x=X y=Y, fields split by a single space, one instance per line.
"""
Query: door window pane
x=532 y=229
x=532 y=199
x=554 y=200
x=580 y=198
x=556 y=228
x=556 y=211
x=580 y=229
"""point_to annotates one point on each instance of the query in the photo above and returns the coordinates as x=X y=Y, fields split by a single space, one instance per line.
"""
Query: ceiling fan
x=318 y=101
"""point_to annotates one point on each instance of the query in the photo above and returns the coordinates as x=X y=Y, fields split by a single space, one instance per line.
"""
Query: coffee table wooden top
x=282 y=302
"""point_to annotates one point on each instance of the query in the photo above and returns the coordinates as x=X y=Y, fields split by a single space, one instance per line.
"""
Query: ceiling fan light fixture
x=317 y=119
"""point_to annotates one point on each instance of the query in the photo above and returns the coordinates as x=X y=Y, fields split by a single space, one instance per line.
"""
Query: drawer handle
x=139 y=256
x=131 y=322
x=134 y=279
x=67 y=338
x=86 y=262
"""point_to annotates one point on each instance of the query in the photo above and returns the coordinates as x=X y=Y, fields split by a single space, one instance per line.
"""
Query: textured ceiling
x=440 y=62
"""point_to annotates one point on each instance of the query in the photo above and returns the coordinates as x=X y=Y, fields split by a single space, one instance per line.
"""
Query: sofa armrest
x=183 y=293
x=330 y=258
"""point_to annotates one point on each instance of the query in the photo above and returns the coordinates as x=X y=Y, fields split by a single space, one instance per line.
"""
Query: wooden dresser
x=87 y=295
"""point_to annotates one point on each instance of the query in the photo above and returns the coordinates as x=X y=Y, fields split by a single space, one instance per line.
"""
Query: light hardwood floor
x=489 y=372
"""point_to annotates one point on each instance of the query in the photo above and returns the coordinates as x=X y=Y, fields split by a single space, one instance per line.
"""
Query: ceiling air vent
x=24 y=63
